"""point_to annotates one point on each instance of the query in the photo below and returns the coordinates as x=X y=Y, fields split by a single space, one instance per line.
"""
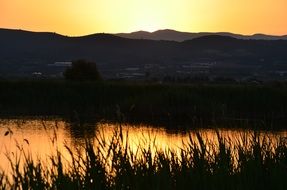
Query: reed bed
x=261 y=106
x=112 y=164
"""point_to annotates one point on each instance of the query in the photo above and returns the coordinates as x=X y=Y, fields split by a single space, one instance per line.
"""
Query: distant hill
x=172 y=35
x=23 y=53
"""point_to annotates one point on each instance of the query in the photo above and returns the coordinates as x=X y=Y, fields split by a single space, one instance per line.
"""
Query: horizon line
x=150 y=32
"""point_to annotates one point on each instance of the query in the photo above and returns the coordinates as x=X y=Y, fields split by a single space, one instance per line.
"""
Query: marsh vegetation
x=112 y=159
x=260 y=106
x=251 y=161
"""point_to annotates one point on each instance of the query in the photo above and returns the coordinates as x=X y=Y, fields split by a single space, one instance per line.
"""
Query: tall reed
x=112 y=164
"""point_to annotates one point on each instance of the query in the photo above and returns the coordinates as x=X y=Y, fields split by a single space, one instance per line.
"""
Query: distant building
x=61 y=64
x=37 y=74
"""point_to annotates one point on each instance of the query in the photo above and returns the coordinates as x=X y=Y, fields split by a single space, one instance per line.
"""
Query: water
x=41 y=138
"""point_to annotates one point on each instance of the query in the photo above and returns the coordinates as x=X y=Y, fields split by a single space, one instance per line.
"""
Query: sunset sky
x=81 y=17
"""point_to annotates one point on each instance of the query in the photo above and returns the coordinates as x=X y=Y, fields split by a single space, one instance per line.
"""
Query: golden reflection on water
x=159 y=139
x=43 y=137
x=32 y=136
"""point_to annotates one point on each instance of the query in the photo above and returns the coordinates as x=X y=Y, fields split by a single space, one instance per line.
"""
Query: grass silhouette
x=113 y=165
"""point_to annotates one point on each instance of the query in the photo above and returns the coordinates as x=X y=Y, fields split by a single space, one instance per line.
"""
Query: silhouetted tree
x=82 y=70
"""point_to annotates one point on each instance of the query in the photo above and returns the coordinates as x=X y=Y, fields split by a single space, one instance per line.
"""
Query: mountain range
x=24 y=53
x=172 y=35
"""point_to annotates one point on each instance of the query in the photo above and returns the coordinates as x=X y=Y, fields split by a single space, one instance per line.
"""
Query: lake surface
x=42 y=137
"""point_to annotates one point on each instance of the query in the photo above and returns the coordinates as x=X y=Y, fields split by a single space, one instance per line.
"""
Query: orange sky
x=80 y=17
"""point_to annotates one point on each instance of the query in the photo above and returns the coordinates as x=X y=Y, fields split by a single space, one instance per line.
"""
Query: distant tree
x=82 y=70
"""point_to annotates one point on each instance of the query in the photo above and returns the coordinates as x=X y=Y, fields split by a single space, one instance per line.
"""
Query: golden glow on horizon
x=80 y=17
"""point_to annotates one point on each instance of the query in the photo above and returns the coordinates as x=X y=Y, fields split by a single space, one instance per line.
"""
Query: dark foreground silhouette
x=113 y=165
x=245 y=106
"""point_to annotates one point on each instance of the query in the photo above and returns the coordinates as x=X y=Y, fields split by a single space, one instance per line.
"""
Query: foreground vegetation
x=263 y=106
x=113 y=165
